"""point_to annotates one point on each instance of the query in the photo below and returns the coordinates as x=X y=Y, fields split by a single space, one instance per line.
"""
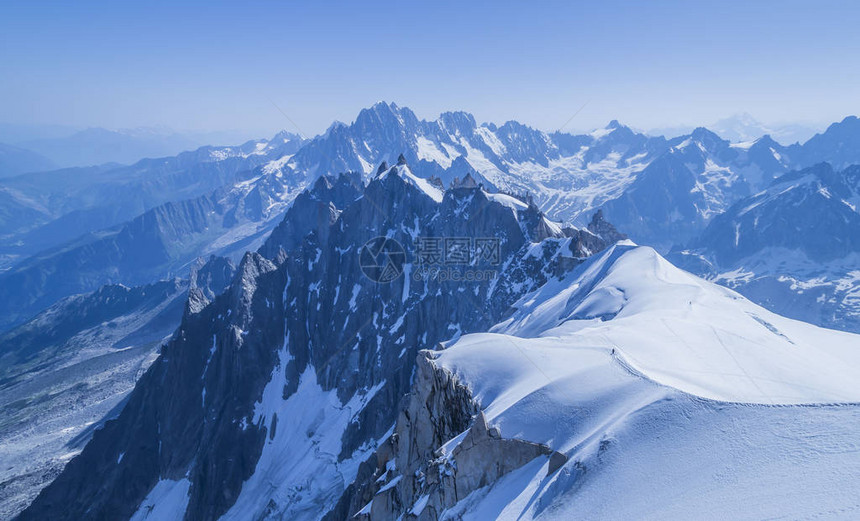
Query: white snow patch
x=168 y=499
x=507 y=200
x=298 y=471
x=428 y=151
x=422 y=184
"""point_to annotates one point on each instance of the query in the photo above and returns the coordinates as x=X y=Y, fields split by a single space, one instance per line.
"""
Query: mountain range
x=744 y=128
x=104 y=289
x=70 y=225
x=283 y=396
x=795 y=247
x=16 y=160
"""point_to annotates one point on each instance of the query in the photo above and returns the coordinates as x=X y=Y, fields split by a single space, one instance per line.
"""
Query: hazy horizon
x=211 y=67
x=30 y=132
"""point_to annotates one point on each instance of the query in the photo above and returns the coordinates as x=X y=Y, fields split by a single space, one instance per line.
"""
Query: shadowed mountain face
x=839 y=145
x=700 y=176
x=69 y=369
x=302 y=321
x=793 y=247
x=812 y=209
x=160 y=243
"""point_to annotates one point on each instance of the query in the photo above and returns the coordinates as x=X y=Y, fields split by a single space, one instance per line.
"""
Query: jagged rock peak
x=384 y=116
x=208 y=278
x=457 y=122
x=401 y=160
x=212 y=275
x=196 y=301
x=382 y=167
x=467 y=182
x=245 y=282
x=284 y=136
x=604 y=229
x=705 y=136
x=437 y=182
x=766 y=140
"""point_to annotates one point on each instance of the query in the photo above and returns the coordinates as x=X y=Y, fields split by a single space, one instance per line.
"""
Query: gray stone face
x=190 y=414
x=416 y=477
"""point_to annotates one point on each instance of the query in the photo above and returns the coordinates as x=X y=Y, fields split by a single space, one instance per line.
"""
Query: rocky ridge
x=301 y=323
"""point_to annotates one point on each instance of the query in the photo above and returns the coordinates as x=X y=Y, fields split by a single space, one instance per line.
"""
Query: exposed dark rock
x=190 y=415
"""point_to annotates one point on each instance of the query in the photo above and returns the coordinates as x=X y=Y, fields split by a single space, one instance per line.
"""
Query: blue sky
x=217 y=65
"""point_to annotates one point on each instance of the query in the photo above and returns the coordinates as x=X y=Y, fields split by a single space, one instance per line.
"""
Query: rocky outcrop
x=442 y=449
x=208 y=279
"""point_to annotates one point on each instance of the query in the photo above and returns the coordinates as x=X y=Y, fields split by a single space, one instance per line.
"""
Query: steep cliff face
x=271 y=396
x=442 y=450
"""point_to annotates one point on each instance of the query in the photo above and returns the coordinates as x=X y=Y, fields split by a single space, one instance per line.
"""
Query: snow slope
x=659 y=388
x=684 y=332
x=681 y=458
x=299 y=466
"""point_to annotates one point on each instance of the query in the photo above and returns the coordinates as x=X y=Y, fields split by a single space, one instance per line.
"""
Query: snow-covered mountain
x=283 y=396
x=794 y=247
x=568 y=175
x=225 y=409
x=701 y=175
x=627 y=389
x=663 y=193
x=698 y=177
